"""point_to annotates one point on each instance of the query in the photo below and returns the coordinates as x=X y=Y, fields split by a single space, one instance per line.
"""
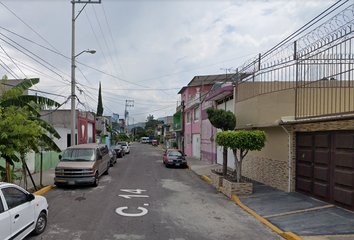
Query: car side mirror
x=30 y=197
x=60 y=157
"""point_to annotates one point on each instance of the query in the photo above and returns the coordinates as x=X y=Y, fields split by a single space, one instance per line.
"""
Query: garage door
x=325 y=166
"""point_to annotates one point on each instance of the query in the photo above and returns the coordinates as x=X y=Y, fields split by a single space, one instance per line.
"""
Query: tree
x=114 y=134
x=139 y=132
x=225 y=120
x=100 y=104
x=122 y=137
x=20 y=125
x=243 y=141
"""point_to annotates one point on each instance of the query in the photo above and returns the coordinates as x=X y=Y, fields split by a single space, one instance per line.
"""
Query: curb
x=43 y=190
x=286 y=235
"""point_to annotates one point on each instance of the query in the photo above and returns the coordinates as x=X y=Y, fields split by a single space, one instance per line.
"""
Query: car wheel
x=166 y=165
x=111 y=163
x=95 y=184
x=41 y=223
x=107 y=170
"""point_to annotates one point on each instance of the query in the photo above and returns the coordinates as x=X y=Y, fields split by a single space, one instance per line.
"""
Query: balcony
x=220 y=93
x=177 y=127
x=194 y=101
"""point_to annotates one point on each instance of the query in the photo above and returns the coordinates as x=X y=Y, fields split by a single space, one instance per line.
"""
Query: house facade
x=219 y=97
x=192 y=97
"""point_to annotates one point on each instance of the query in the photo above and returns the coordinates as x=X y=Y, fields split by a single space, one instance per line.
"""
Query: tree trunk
x=8 y=173
x=234 y=151
x=239 y=167
x=224 y=161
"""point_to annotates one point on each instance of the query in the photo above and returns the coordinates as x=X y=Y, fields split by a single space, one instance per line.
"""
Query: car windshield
x=175 y=153
x=79 y=155
x=116 y=147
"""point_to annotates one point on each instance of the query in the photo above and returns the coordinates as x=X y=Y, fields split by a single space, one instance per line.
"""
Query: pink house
x=192 y=96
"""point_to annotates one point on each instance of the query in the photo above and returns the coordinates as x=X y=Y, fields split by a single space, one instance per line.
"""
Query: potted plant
x=241 y=142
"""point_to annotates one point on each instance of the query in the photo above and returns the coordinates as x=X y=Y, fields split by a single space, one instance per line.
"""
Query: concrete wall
x=265 y=110
x=58 y=118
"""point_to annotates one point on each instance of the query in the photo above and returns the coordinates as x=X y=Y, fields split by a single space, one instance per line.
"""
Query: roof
x=205 y=80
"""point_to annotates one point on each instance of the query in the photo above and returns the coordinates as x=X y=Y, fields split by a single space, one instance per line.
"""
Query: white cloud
x=156 y=44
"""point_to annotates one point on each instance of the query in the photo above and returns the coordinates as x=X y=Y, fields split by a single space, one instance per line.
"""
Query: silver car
x=125 y=146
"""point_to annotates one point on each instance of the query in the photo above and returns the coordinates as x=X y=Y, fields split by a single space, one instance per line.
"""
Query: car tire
x=111 y=164
x=97 y=181
x=40 y=224
x=166 y=165
x=107 y=170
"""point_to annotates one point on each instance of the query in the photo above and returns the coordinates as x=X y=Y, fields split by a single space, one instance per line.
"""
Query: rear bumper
x=176 y=164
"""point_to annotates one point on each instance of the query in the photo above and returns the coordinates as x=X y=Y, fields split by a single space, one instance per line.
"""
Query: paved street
x=141 y=199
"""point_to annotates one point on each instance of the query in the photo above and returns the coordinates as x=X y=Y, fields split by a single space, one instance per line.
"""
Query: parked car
x=82 y=165
x=174 y=157
x=113 y=157
x=125 y=146
x=119 y=150
x=21 y=212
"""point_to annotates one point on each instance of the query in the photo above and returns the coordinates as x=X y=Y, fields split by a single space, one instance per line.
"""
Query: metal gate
x=325 y=166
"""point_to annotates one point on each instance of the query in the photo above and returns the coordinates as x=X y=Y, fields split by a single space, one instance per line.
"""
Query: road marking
x=298 y=211
x=143 y=212
x=132 y=196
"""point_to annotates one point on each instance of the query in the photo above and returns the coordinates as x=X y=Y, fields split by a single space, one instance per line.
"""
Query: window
x=14 y=197
x=188 y=117
x=196 y=114
x=188 y=139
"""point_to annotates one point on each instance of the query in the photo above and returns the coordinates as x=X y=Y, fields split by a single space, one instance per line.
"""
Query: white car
x=21 y=212
x=126 y=147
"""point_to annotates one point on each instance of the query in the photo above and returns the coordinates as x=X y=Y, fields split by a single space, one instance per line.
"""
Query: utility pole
x=128 y=103
x=73 y=56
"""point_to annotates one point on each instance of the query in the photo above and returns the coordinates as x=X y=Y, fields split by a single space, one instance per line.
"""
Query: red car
x=174 y=157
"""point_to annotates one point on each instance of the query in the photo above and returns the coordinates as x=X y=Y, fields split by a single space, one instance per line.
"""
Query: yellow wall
x=265 y=110
x=276 y=147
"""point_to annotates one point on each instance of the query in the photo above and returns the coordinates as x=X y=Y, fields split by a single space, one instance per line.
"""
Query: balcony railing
x=177 y=127
x=193 y=101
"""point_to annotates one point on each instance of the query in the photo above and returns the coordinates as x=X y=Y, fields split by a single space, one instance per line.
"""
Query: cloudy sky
x=146 y=50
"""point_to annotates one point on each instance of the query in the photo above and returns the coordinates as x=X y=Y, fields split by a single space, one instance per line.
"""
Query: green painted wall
x=50 y=159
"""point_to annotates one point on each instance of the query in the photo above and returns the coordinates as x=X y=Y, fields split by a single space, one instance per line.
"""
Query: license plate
x=177 y=164
x=71 y=182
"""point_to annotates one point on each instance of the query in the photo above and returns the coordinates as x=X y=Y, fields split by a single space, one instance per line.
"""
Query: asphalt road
x=141 y=199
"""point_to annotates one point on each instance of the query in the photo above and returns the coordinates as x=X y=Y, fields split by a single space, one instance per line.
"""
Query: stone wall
x=216 y=180
x=268 y=171
x=234 y=188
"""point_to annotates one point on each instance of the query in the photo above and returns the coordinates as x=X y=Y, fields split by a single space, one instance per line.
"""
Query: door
x=20 y=210
x=5 y=221
x=196 y=145
x=325 y=166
